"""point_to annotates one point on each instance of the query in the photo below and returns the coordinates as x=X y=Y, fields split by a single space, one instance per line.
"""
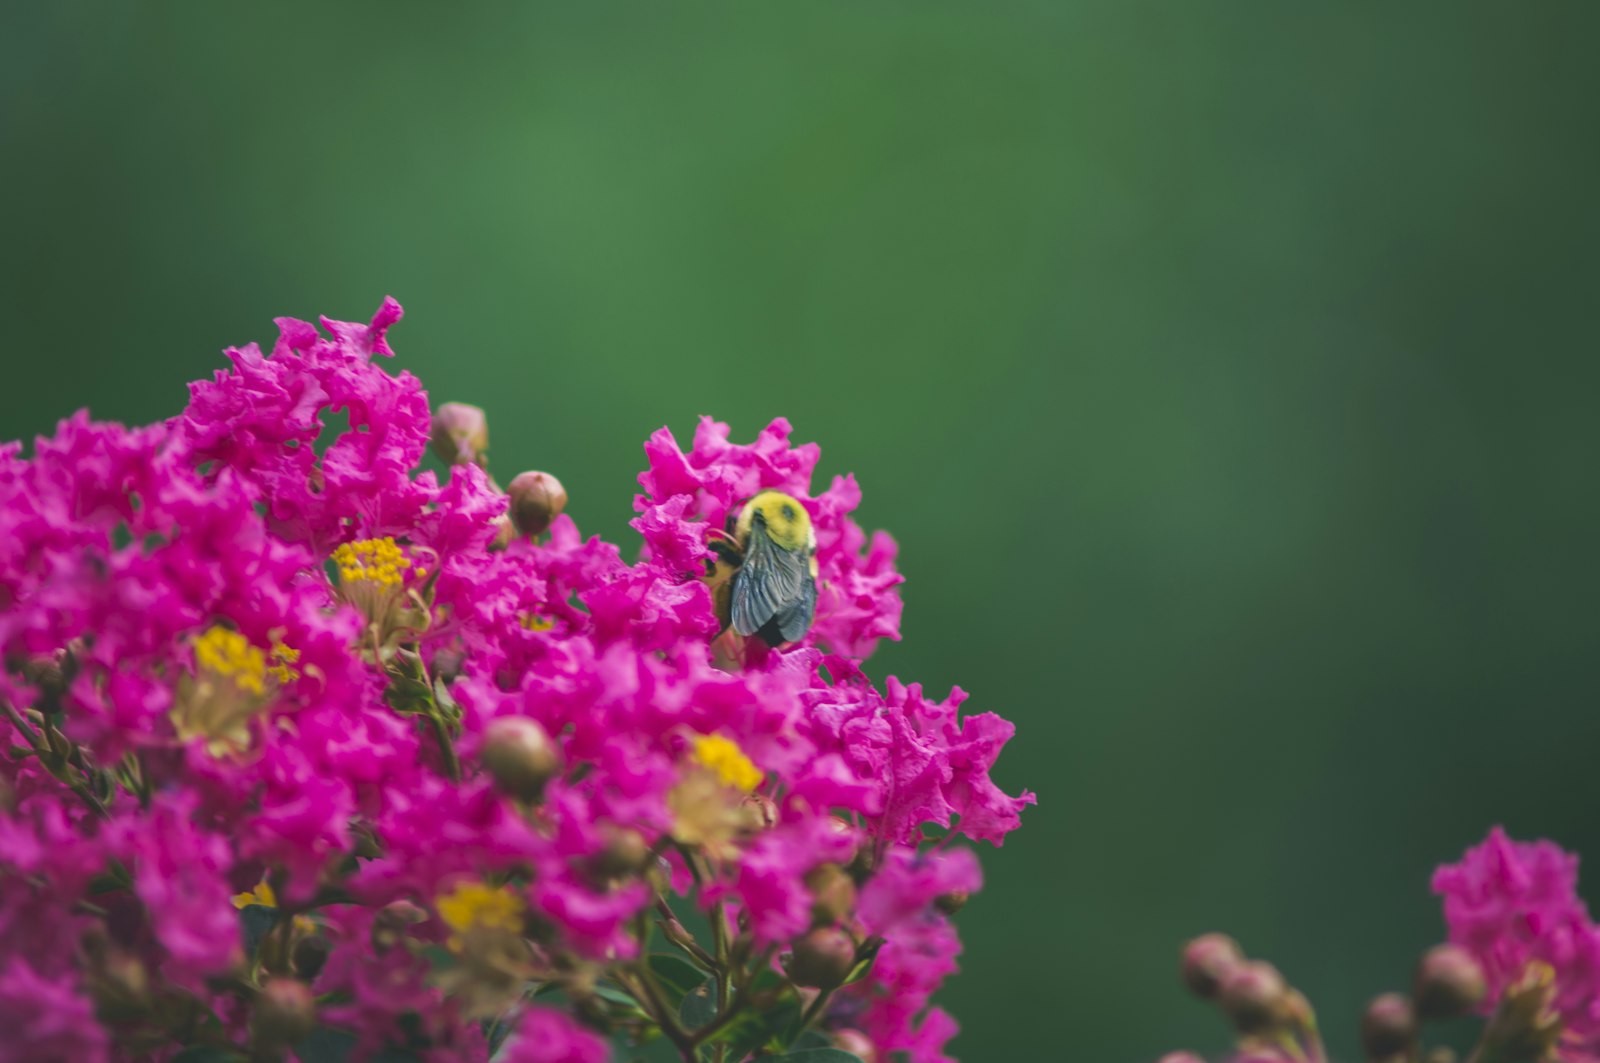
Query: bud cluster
x=1523 y=954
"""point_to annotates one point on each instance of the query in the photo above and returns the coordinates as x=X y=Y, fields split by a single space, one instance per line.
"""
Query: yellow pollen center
x=262 y=895
x=380 y=561
x=475 y=906
x=283 y=663
x=225 y=652
x=535 y=622
x=723 y=757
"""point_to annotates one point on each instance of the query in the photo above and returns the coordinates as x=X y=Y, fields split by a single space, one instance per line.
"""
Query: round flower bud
x=1206 y=960
x=833 y=894
x=537 y=498
x=310 y=954
x=1449 y=983
x=1388 y=1027
x=285 y=1012
x=393 y=922
x=624 y=854
x=460 y=434
x=952 y=902
x=1253 y=995
x=857 y=1044
x=822 y=958
x=520 y=756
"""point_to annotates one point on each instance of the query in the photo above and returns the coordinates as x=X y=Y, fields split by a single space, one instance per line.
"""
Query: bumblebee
x=764 y=575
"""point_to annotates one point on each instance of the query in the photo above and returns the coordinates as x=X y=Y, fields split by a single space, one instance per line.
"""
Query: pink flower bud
x=1206 y=960
x=1388 y=1027
x=460 y=434
x=857 y=1044
x=285 y=1012
x=1449 y=983
x=1253 y=995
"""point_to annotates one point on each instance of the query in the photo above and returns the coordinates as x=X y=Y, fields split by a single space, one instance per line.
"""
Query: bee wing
x=771 y=580
x=795 y=621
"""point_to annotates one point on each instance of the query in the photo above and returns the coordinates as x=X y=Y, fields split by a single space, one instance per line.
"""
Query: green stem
x=447 y=746
x=813 y=1012
x=655 y=1005
x=41 y=748
x=721 y=1022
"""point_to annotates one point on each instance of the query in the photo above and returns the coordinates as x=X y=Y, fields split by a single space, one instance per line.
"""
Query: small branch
x=722 y=1021
x=655 y=1005
x=447 y=746
x=40 y=744
x=814 y=1011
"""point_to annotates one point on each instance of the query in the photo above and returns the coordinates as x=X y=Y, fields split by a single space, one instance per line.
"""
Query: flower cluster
x=1522 y=951
x=315 y=754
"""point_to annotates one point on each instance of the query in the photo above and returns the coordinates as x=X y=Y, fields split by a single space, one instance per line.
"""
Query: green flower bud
x=822 y=958
x=625 y=853
x=520 y=756
x=1526 y=1025
x=310 y=954
x=537 y=498
x=833 y=894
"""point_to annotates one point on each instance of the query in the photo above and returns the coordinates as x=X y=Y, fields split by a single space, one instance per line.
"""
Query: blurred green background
x=1227 y=373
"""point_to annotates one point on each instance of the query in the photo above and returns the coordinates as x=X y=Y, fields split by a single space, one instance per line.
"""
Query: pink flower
x=1511 y=903
x=46 y=1019
x=689 y=494
x=548 y=1036
x=928 y=764
x=178 y=873
x=251 y=712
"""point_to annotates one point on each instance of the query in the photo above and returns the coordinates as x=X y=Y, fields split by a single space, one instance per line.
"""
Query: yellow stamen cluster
x=262 y=895
x=475 y=906
x=727 y=762
x=224 y=652
x=535 y=622
x=283 y=663
x=380 y=561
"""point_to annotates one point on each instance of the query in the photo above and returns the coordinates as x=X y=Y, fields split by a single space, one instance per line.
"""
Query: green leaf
x=699 y=1005
x=677 y=975
x=612 y=995
x=815 y=1055
x=767 y=1028
x=325 y=1045
x=859 y=971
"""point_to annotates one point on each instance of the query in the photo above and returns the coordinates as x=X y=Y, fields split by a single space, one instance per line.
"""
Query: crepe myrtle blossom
x=316 y=753
x=1522 y=952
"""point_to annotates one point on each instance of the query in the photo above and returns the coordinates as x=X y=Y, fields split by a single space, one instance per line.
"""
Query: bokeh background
x=1227 y=372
